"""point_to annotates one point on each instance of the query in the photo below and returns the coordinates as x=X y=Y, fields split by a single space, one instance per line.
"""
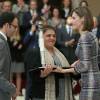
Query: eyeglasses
x=15 y=26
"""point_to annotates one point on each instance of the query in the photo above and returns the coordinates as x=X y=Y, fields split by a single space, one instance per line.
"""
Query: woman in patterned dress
x=87 y=53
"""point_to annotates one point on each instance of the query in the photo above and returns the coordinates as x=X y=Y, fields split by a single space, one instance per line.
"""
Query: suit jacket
x=6 y=88
x=26 y=20
x=31 y=41
x=27 y=17
x=33 y=60
x=62 y=37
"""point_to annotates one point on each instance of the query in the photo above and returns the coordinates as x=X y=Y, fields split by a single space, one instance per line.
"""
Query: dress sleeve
x=85 y=55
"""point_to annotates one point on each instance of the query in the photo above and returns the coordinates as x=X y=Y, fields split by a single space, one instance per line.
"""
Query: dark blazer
x=32 y=60
x=62 y=37
x=27 y=17
x=7 y=89
x=26 y=20
x=31 y=41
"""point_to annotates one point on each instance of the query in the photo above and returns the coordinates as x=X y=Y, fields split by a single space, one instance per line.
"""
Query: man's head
x=33 y=4
x=8 y=23
x=6 y=6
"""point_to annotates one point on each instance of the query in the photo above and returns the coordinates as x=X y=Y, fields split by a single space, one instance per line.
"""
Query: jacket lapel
x=6 y=46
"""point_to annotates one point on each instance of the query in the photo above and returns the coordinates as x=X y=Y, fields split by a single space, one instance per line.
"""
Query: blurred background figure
x=31 y=38
x=55 y=20
x=83 y=3
x=98 y=35
x=67 y=40
x=17 y=67
x=30 y=16
x=95 y=26
x=98 y=31
x=44 y=7
x=1 y=1
x=19 y=9
x=6 y=6
x=66 y=7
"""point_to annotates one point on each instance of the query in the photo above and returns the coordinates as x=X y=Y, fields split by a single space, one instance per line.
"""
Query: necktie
x=70 y=30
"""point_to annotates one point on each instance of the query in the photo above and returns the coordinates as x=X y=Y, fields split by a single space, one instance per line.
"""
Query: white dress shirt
x=3 y=35
x=69 y=29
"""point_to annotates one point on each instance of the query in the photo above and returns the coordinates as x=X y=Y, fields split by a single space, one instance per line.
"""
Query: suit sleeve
x=5 y=85
x=59 y=38
x=32 y=61
x=32 y=58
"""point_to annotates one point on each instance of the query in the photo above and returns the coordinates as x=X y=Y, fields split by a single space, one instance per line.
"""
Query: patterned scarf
x=50 y=80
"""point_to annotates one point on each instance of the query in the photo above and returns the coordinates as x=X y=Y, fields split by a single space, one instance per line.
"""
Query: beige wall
x=94 y=6
x=75 y=3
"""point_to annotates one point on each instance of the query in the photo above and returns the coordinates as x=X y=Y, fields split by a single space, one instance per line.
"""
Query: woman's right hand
x=46 y=71
x=73 y=65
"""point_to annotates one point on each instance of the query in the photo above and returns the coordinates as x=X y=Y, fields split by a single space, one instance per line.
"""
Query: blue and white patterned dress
x=87 y=52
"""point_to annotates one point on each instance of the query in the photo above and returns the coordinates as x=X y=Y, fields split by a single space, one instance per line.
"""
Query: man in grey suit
x=7 y=27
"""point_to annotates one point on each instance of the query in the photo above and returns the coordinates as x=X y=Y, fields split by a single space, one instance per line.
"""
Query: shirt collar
x=3 y=35
x=33 y=12
x=69 y=28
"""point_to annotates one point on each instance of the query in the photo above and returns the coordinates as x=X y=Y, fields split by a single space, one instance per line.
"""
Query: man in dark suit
x=30 y=15
x=67 y=40
x=7 y=27
x=30 y=42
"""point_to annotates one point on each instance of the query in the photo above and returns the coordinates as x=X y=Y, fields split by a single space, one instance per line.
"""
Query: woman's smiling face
x=49 y=38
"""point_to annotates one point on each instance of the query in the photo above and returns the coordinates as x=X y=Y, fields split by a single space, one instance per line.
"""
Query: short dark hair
x=6 y=17
x=88 y=18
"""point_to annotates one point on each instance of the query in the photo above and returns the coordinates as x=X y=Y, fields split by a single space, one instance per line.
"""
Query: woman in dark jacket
x=45 y=84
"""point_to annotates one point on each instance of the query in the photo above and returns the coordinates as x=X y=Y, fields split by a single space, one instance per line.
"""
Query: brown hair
x=86 y=14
